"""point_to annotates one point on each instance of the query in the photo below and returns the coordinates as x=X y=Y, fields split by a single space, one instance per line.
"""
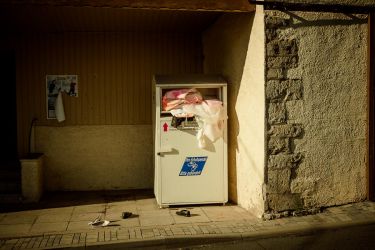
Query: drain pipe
x=313 y=7
x=31 y=136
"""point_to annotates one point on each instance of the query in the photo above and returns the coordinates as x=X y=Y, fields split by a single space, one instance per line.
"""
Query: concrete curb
x=206 y=239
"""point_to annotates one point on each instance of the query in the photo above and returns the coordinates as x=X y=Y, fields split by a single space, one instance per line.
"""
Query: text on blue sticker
x=193 y=166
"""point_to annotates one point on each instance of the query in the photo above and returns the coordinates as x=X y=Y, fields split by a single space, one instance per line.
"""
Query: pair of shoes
x=126 y=215
x=98 y=222
x=183 y=212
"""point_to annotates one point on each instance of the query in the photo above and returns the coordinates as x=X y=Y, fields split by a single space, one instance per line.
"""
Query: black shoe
x=126 y=215
x=183 y=212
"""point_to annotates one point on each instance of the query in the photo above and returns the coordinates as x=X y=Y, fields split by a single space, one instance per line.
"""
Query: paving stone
x=49 y=227
x=138 y=233
x=132 y=234
x=156 y=232
x=12 y=241
x=85 y=209
x=92 y=235
x=76 y=238
x=155 y=220
x=85 y=216
x=67 y=239
x=50 y=240
x=78 y=226
x=10 y=230
x=82 y=238
x=197 y=229
x=177 y=231
x=162 y=232
x=204 y=229
x=113 y=235
x=129 y=222
x=31 y=242
x=169 y=232
x=44 y=242
x=53 y=218
x=24 y=244
x=101 y=237
x=19 y=243
x=11 y=219
x=7 y=247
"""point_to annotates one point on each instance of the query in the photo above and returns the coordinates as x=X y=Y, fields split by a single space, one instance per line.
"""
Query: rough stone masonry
x=282 y=160
x=316 y=92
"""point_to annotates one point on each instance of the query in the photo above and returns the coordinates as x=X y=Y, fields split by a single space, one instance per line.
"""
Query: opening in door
x=8 y=127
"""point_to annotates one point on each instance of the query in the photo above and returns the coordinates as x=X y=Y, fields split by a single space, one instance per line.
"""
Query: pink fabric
x=174 y=99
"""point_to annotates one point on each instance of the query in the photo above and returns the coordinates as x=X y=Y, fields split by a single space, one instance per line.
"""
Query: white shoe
x=99 y=223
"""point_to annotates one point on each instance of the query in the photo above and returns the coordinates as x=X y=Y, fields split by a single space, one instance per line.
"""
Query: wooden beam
x=371 y=102
x=192 y=5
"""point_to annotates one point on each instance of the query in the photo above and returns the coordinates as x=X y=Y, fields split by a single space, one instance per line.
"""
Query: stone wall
x=281 y=55
x=316 y=93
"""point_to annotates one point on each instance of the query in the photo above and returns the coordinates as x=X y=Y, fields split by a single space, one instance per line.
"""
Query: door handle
x=166 y=151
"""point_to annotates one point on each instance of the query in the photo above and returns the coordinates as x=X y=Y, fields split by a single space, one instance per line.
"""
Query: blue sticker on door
x=193 y=166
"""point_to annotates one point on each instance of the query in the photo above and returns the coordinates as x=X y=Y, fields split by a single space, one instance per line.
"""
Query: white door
x=190 y=174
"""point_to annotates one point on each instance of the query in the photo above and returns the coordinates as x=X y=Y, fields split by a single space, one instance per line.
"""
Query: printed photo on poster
x=55 y=84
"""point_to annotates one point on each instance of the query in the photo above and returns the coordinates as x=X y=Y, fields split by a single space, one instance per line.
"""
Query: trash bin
x=190 y=139
x=32 y=177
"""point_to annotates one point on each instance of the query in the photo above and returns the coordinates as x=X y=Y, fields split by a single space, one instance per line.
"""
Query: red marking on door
x=165 y=127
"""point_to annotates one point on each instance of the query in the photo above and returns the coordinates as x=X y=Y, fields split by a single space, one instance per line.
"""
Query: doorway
x=8 y=127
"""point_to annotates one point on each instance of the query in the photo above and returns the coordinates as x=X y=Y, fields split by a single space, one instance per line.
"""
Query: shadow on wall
x=225 y=46
x=349 y=19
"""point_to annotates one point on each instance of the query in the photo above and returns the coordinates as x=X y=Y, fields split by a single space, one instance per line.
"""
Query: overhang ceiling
x=207 y=5
x=20 y=18
x=44 y=18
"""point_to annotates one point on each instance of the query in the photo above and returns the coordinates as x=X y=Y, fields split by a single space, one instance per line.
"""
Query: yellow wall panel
x=114 y=73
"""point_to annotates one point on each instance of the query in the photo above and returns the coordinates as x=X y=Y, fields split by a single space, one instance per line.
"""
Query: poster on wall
x=55 y=84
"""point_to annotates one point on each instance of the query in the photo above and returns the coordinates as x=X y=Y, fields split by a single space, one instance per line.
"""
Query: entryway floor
x=71 y=211
x=61 y=220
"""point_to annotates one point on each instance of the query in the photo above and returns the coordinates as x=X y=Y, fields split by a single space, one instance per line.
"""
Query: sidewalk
x=58 y=225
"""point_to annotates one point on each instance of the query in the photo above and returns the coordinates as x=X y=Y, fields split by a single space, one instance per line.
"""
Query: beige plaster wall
x=104 y=157
x=333 y=111
x=234 y=47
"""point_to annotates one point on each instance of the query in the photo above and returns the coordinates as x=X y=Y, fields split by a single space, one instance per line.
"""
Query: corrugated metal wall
x=114 y=71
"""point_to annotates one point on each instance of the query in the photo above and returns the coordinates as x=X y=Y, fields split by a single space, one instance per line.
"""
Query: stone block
x=282 y=61
x=283 y=202
x=288 y=47
x=278 y=181
x=276 y=90
x=276 y=113
x=282 y=161
x=270 y=34
x=295 y=89
x=295 y=109
x=276 y=22
x=303 y=185
x=277 y=145
x=273 y=48
x=282 y=47
x=286 y=130
x=275 y=74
